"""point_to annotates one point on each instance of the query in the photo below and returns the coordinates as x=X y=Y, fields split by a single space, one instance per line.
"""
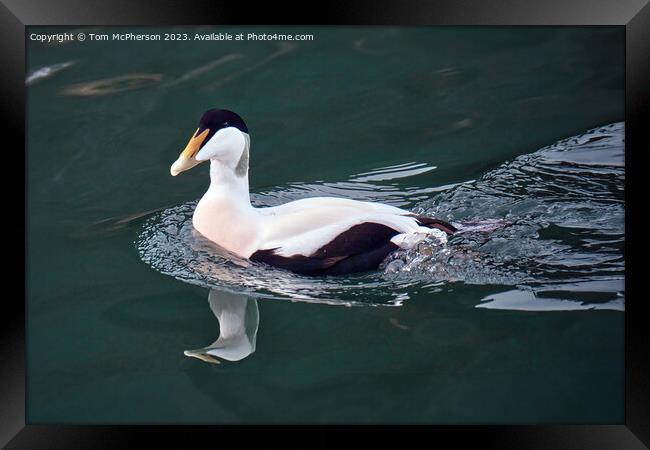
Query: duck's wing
x=352 y=236
x=303 y=226
x=330 y=203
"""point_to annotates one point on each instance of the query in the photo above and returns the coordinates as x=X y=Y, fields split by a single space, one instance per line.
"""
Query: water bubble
x=394 y=267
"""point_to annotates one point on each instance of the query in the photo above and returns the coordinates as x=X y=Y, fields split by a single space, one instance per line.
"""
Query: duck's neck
x=229 y=180
x=227 y=185
x=224 y=214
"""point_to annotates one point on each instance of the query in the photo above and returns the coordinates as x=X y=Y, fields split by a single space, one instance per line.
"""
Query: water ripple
x=548 y=225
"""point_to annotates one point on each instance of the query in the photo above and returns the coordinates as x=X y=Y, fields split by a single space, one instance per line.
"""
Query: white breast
x=233 y=226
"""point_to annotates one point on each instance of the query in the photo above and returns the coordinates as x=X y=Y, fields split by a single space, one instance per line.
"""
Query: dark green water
x=106 y=332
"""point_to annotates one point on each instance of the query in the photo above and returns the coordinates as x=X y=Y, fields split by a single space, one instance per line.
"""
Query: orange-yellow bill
x=187 y=158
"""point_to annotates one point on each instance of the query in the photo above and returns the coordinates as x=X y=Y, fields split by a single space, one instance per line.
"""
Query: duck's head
x=223 y=136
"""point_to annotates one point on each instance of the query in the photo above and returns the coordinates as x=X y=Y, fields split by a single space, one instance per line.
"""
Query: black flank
x=362 y=247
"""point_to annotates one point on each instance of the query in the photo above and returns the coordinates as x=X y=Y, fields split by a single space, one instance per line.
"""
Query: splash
x=548 y=225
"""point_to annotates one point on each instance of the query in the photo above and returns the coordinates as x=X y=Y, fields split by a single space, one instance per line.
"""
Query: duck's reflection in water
x=239 y=319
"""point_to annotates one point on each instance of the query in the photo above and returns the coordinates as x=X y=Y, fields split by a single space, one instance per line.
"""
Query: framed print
x=414 y=214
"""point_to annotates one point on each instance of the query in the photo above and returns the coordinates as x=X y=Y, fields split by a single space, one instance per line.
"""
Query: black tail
x=436 y=223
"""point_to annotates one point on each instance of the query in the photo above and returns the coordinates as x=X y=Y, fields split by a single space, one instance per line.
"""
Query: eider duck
x=310 y=236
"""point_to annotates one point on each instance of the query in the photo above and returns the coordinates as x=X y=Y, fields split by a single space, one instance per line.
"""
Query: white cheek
x=226 y=143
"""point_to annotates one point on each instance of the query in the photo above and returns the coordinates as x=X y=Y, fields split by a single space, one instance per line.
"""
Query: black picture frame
x=634 y=15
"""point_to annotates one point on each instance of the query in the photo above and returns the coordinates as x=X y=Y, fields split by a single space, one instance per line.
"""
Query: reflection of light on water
x=393 y=172
x=360 y=45
x=283 y=48
x=41 y=73
x=114 y=84
x=198 y=71
x=134 y=81
x=528 y=300
x=550 y=223
x=358 y=187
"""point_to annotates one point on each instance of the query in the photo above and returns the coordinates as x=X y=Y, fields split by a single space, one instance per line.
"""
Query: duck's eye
x=226 y=124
